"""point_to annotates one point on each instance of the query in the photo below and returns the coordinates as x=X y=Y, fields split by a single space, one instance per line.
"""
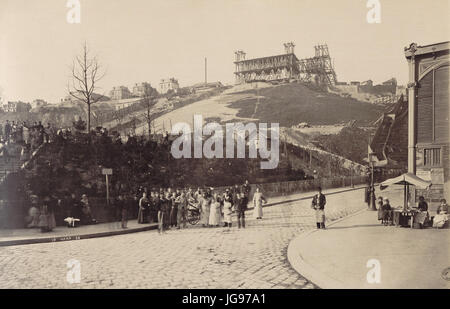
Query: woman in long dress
x=227 y=208
x=143 y=206
x=86 y=211
x=380 y=208
x=47 y=218
x=204 y=208
x=422 y=215
x=215 y=215
x=258 y=200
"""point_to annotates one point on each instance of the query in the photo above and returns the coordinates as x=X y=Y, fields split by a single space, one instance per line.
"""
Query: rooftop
x=414 y=49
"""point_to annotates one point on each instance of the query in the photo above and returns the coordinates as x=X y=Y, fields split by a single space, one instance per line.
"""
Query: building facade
x=16 y=107
x=120 y=93
x=140 y=89
x=168 y=84
x=38 y=103
x=428 y=116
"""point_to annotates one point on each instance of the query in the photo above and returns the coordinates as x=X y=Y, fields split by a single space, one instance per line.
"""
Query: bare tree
x=96 y=119
x=149 y=99
x=118 y=116
x=85 y=77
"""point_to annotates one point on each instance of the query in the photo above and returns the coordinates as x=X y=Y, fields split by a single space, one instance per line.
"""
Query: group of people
x=29 y=136
x=71 y=210
x=421 y=216
x=170 y=207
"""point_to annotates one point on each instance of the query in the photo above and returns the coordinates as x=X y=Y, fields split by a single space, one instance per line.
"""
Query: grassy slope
x=291 y=104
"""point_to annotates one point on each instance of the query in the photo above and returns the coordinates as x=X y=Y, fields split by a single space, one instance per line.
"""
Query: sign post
x=107 y=172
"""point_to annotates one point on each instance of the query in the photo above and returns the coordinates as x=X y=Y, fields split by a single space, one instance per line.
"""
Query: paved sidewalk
x=11 y=237
x=337 y=257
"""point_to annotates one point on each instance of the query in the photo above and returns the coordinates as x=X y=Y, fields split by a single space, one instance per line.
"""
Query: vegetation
x=294 y=103
x=350 y=143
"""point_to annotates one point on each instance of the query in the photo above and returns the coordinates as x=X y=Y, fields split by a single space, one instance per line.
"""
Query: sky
x=147 y=40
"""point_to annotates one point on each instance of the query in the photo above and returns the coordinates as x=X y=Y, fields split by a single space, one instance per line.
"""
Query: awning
x=406 y=179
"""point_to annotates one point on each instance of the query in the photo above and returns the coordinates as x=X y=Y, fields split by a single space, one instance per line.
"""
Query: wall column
x=412 y=93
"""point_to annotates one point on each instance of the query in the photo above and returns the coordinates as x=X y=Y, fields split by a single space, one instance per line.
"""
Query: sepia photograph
x=244 y=146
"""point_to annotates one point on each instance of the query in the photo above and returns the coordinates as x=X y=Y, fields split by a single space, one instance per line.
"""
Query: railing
x=15 y=211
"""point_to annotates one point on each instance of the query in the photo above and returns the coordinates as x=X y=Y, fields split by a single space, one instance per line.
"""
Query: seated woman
x=422 y=215
x=442 y=215
x=386 y=209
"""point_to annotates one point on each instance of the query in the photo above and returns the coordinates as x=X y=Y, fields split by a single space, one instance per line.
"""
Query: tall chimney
x=206 y=71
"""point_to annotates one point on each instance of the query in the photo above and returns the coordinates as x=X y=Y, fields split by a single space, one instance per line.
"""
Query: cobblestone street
x=196 y=257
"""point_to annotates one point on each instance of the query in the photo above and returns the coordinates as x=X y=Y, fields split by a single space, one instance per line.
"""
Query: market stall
x=405 y=216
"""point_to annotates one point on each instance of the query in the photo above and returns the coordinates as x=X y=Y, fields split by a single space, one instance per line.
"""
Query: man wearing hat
x=318 y=204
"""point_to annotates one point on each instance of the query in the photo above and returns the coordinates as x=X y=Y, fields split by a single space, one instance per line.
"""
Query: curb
x=307 y=197
x=154 y=226
x=306 y=270
x=29 y=241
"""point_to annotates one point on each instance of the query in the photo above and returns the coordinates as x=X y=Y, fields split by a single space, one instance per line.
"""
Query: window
x=432 y=157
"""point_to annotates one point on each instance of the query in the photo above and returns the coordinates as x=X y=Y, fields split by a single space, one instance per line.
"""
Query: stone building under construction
x=287 y=66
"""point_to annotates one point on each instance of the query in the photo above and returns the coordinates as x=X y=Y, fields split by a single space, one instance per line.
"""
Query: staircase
x=15 y=162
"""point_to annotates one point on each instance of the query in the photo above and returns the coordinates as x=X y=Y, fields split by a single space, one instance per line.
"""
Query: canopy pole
x=404 y=197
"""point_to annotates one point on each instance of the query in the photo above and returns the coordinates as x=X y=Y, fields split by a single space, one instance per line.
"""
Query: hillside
x=293 y=103
x=287 y=104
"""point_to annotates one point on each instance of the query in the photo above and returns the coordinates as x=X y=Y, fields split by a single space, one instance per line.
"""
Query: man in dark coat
x=318 y=204
x=7 y=130
x=241 y=207
x=246 y=188
x=75 y=207
x=123 y=204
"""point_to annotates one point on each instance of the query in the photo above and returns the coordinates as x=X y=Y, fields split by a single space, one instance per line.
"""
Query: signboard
x=107 y=171
x=424 y=174
x=437 y=175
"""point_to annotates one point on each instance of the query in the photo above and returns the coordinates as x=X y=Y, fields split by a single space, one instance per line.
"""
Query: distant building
x=428 y=116
x=400 y=90
x=119 y=93
x=367 y=83
x=121 y=104
x=391 y=82
x=140 y=89
x=38 y=103
x=206 y=86
x=355 y=83
x=19 y=106
x=168 y=84
x=95 y=96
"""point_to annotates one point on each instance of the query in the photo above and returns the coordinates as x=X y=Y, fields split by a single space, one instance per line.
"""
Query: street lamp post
x=351 y=175
x=372 y=188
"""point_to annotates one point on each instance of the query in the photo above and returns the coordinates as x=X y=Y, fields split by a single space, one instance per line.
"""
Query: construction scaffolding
x=318 y=69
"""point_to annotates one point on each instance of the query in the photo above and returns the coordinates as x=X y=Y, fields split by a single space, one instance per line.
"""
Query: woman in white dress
x=258 y=200
x=215 y=215
x=227 y=208
x=441 y=218
x=205 y=209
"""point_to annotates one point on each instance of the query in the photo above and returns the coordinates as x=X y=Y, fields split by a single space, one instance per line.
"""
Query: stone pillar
x=412 y=123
